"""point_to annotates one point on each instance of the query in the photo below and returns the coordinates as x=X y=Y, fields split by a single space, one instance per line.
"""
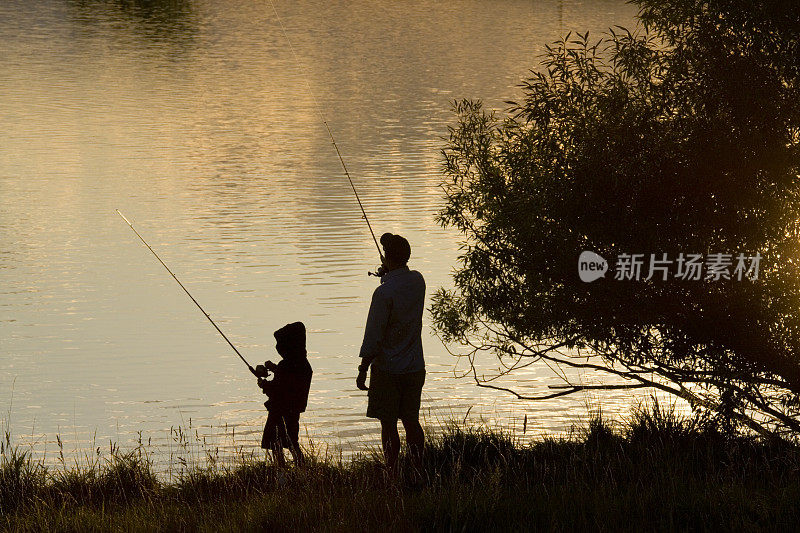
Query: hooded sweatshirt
x=289 y=388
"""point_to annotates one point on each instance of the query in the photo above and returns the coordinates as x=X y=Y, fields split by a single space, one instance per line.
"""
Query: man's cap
x=396 y=247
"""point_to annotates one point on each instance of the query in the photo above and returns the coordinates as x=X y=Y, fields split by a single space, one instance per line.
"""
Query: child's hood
x=291 y=341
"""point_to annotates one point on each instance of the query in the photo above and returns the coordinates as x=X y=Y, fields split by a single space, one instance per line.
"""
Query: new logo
x=591 y=266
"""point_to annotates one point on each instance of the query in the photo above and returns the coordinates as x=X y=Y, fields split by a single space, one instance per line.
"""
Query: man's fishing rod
x=330 y=134
x=253 y=370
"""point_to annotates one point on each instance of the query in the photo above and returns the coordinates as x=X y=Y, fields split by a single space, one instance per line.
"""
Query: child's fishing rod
x=330 y=134
x=253 y=370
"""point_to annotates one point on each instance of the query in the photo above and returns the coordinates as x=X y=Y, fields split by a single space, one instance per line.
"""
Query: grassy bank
x=655 y=472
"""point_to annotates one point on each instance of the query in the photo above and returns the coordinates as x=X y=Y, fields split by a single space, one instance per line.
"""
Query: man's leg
x=297 y=453
x=411 y=395
x=415 y=439
x=277 y=455
x=390 y=439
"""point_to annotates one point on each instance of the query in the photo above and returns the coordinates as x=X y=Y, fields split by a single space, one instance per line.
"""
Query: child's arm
x=267 y=387
x=263 y=371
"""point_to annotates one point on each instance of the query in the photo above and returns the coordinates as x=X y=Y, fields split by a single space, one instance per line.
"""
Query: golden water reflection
x=193 y=119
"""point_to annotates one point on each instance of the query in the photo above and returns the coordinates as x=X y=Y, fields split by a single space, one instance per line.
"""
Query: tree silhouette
x=681 y=137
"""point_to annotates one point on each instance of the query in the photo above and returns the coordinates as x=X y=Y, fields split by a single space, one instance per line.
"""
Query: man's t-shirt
x=393 y=335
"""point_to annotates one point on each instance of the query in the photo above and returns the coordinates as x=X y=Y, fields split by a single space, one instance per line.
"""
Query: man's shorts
x=393 y=396
x=281 y=430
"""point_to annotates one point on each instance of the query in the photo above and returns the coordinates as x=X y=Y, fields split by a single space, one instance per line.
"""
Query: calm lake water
x=193 y=119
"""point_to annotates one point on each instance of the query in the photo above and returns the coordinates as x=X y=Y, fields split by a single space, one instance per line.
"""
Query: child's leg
x=292 y=421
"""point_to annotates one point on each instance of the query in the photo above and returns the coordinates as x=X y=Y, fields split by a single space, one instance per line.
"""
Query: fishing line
x=324 y=121
x=253 y=370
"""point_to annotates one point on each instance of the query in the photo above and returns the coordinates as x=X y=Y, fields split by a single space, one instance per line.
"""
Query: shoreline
x=654 y=471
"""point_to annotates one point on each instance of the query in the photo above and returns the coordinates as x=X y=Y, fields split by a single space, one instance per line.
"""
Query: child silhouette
x=287 y=392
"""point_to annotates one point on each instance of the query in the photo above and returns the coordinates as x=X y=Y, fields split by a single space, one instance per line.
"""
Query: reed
x=655 y=470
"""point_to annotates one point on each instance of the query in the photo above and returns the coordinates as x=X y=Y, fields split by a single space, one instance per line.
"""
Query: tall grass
x=654 y=471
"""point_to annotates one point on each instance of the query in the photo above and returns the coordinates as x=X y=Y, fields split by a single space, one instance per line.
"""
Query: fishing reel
x=263 y=371
x=381 y=270
x=379 y=273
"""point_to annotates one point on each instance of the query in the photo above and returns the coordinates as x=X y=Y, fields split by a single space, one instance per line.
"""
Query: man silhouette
x=392 y=350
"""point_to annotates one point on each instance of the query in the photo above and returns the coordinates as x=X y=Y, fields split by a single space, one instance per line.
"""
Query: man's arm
x=377 y=319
